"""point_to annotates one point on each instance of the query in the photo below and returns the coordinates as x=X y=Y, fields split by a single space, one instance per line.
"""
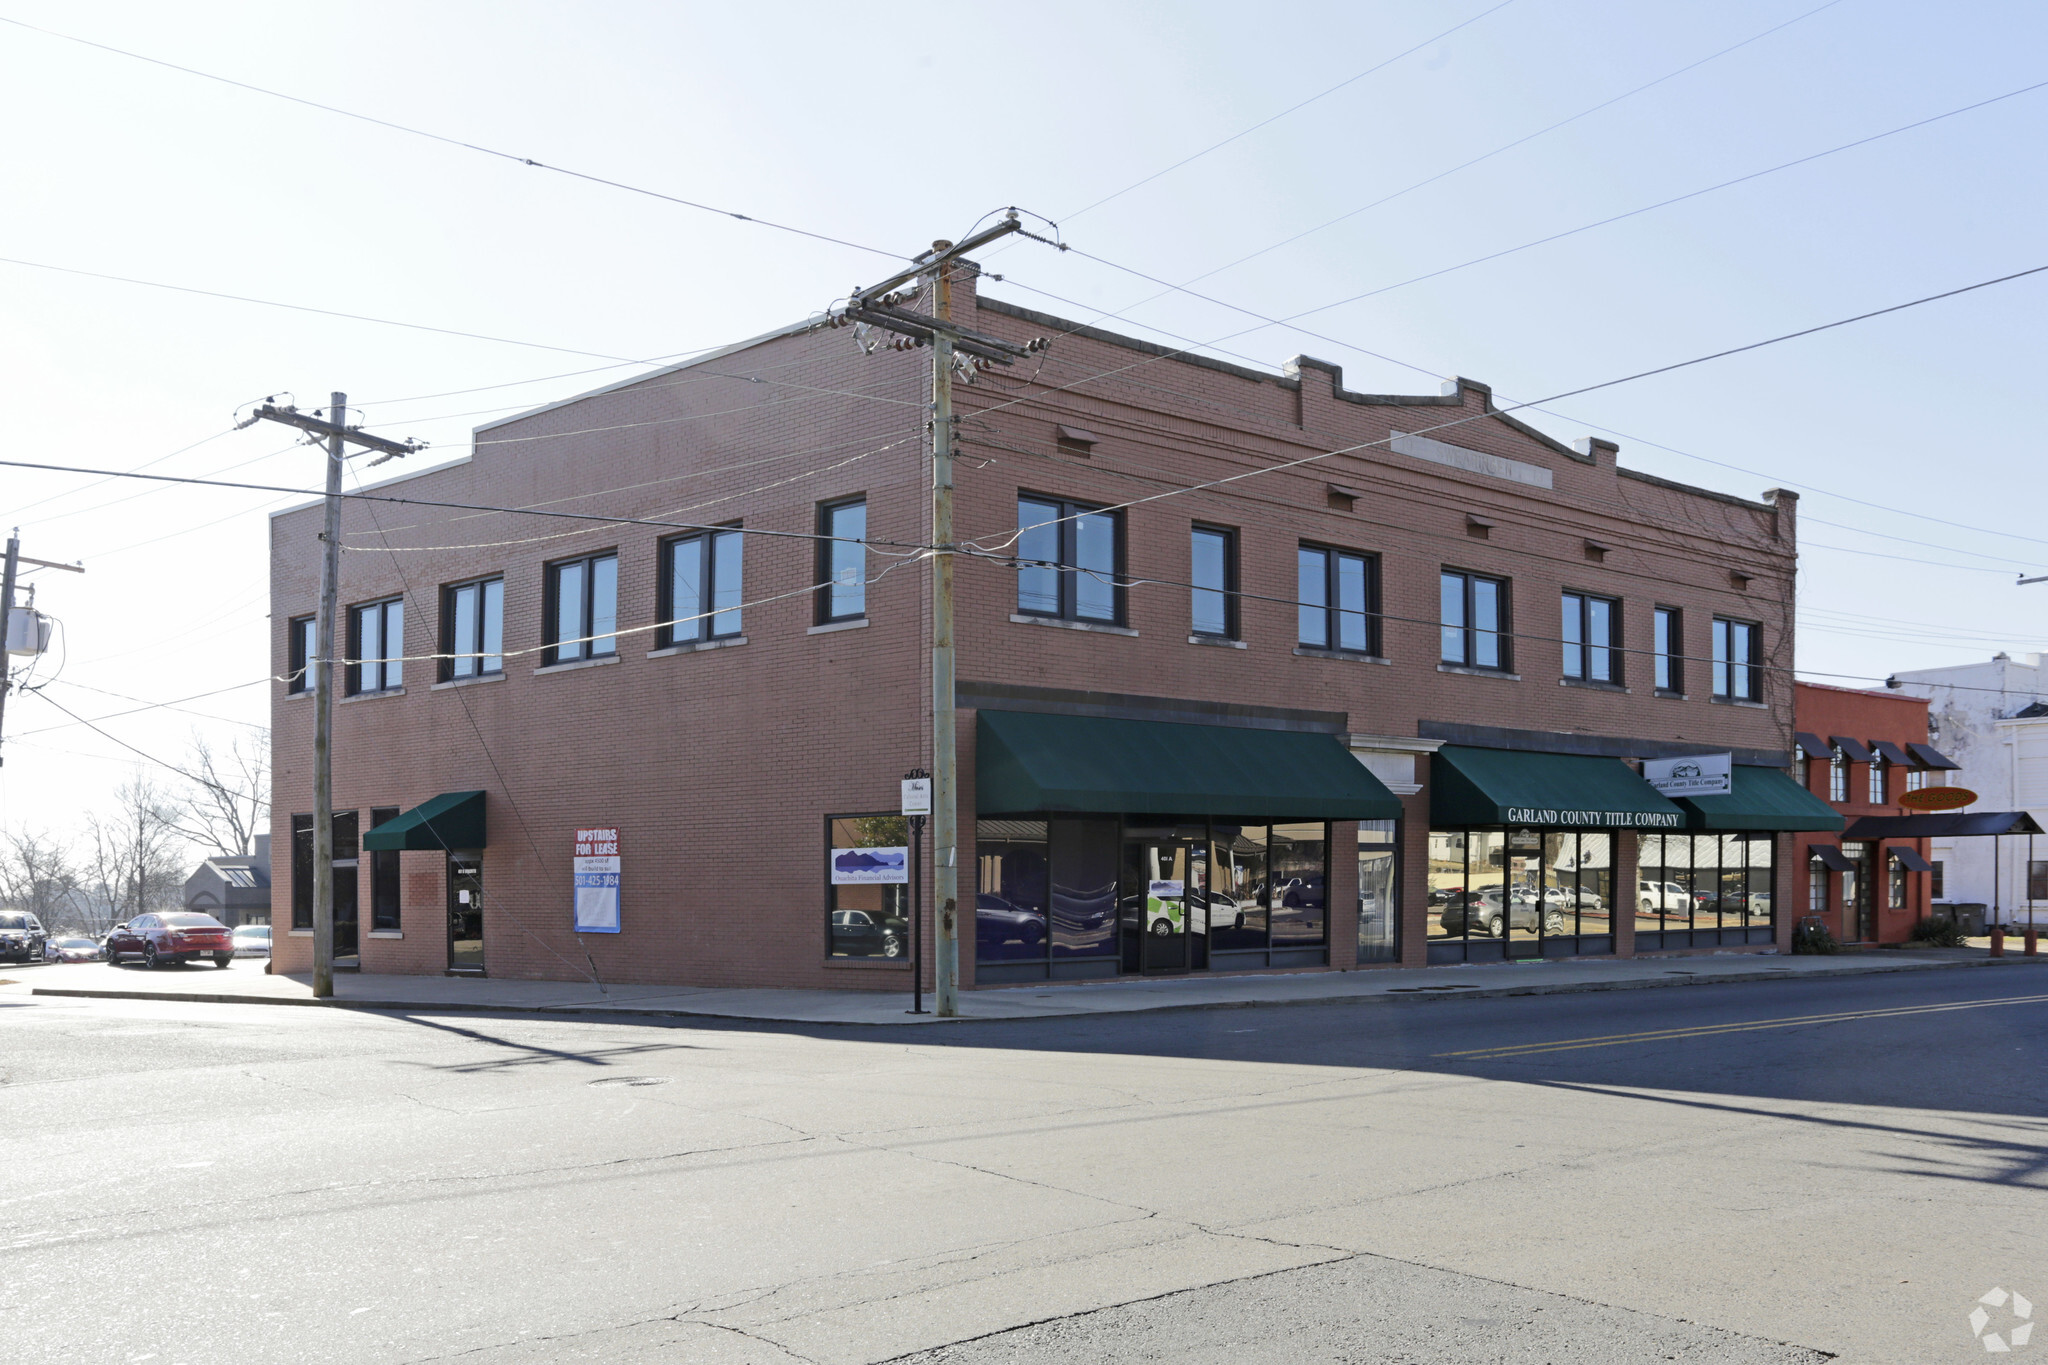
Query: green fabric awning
x=450 y=820
x=1562 y=791
x=1761 y=799
x=1027 y=761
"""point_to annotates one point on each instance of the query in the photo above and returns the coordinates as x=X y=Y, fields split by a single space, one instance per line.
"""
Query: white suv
x=1662 y=898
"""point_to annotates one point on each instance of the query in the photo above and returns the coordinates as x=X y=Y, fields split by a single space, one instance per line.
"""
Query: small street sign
x=917 y=796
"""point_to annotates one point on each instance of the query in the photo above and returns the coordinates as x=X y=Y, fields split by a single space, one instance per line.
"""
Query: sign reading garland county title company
x=1595 y=819
x=1698 y=775
x=597 y=881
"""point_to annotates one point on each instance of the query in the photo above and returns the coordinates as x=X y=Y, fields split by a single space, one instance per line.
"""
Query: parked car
x=997 y=920
x=73 y=950
x=252 y=940
x=1663 y=898
x=22 y=938
x=1493 y=911
x=178 y=936
x=1215 y=910
x=856 y=932
x=1566 y=897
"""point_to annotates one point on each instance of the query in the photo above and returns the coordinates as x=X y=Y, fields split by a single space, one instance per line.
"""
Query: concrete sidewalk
x=245 y=983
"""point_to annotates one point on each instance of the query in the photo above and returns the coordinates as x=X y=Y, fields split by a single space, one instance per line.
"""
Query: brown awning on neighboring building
x=1812 y=745
x=1931 y=757
x=1852 y=749
x=1892 y=753
x=1911 y=860
x=1834 y=857
x=1948 y=824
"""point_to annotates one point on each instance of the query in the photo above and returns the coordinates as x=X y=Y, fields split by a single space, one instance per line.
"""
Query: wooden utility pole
x=319 y=672
x=15 y=559
x=872 y=308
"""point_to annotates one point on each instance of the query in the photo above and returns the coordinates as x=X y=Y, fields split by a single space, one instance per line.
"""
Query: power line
x=449 y=141
x=140 y=753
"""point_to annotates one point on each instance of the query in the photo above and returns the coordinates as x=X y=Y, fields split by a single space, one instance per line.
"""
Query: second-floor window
x=473 y=629
x=582 y=609
x=1474 y=617
x=1667 y=645
x=701 y=587
x=299 y=643
x=842 y=561
x=1735 y=660
x=1336 y=592
x=1070 y=555
x=1212 y=557
x=376 y=644
x=1838 y=776
x=1590 y=625
x=1876 y=781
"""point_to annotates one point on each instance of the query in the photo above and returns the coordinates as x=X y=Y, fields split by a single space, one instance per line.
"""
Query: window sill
x=386 y=933
x=1669 y=695
x=1347 y=656
x=857 y=623
x=1593 y=685
x=1215 y=642
x=298 y=933
x=1737 y=701
x=575 y=664
x=468 y=682
x=1471 y=672
x=303 y=694
x=870 y=963
x=1098 y=627
x=692 y=647
x=373 y=696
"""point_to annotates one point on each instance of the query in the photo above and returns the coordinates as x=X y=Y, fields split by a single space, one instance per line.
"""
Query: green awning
x=451 y=820
x=1027 y=761
x=1562 y=791
x=1761 y=799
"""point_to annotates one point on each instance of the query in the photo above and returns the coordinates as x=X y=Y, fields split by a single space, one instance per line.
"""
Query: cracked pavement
x=188 y=1183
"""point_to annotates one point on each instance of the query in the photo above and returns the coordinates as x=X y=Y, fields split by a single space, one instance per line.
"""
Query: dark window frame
x=387 y=660
x=384 y=879
x=1232 y=620
x=1332 y=611
x=832 y=891
x=1585 y=645
x=551 y=580
x=1067 y=513
x=703 y=610
x=301 y=639
x=1503 y=631
x=302 y=871
x=1724 y=665
x=450 y=646
x=828 y=543
x=1668 y=656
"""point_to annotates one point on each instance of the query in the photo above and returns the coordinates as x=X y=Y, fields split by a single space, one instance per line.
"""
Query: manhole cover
x=630 y=1080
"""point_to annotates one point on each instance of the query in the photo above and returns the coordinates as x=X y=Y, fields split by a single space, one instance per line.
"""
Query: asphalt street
x=1776 y=1171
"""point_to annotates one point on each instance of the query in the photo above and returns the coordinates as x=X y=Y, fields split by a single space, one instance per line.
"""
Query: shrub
x=1813 y=937
x=1938 y=933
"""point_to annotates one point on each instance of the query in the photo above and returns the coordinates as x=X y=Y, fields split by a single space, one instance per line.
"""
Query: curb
x=1399 y=995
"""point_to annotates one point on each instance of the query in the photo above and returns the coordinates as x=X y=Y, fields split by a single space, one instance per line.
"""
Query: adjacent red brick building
x=1379 y=706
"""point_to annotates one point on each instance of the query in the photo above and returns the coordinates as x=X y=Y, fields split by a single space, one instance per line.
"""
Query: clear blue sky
x=817 y=116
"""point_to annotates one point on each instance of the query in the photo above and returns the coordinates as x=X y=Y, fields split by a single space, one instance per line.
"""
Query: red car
x=177 y=936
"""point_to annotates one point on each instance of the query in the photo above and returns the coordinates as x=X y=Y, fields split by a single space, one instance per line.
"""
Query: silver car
x=252 y=940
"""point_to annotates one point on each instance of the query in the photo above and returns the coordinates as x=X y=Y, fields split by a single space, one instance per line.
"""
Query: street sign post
x=917 y=804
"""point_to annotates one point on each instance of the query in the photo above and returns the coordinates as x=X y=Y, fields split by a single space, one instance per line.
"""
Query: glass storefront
x=1704 y=890
x=1379 y=907
x=868 y=918
x=1148 y=894
x=1520 y=893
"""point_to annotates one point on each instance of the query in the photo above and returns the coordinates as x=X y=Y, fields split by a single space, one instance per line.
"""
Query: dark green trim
x=1027 y=762
x=1490 y=787
x=451 y=820
x=1762 y=799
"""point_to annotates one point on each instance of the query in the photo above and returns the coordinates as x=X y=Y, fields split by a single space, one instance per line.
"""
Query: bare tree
x=36 y=875
x=137 y=852
x=228 y=803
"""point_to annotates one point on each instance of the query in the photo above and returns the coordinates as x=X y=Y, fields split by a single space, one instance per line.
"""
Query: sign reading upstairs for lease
x=597 y=881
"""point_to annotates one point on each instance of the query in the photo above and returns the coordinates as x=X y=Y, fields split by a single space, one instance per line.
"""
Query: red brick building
x=1386 y=706
x=1861 y=751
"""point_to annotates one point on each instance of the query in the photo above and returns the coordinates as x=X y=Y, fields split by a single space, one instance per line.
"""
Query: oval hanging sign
x=1938 y=798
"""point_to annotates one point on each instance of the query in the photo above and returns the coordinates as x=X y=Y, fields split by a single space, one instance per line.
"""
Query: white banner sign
x=866 y=866
x=917 y=796
x=597 y=881
x=1699 y=775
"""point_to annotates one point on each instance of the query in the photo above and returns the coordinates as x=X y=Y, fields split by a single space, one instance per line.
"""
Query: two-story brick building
x=1228 y=700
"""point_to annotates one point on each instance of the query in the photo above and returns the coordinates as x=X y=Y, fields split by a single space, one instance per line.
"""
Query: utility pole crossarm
x=292 y=417
x=51 y=564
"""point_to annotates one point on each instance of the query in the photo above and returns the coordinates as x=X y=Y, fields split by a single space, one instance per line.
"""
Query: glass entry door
x=466 y=913
x=1165 y=904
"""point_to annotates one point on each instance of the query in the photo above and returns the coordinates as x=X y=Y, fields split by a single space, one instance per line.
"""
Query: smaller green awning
x=451 y=820
x=1027 y=761
x=1560 y=791
x=1761 y=799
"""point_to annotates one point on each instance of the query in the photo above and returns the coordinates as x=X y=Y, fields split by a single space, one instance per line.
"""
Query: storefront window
x=1701 y=890
x=1083 y=876
x=1379 y=914
x=1578 y=883
x=1446 y=883
x=1011 y=890
x=867 y=886
x=1237 y=888
x=1300 y=890
x=1816 y=887
x=1897 y=899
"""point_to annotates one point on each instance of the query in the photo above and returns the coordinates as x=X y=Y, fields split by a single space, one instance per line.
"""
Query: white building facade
x=1992 y=718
